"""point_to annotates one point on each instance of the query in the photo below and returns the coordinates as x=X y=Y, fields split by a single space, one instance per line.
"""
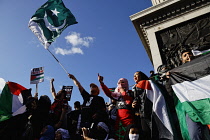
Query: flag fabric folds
x=159 y=108
x=112 y=89
x=37 y=75
x=50 y=20
x=12 y=100
x=190 y=83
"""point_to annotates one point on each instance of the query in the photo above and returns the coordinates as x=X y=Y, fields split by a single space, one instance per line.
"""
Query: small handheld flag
x=50 y=20
x=37 y=75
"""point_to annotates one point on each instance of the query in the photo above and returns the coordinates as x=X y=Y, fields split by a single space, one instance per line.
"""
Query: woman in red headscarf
x=124 y=105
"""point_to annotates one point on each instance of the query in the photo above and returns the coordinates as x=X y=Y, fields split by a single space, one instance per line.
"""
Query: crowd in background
x=129 y=115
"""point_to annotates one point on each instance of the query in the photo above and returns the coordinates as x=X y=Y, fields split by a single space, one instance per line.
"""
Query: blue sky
x=104 y=41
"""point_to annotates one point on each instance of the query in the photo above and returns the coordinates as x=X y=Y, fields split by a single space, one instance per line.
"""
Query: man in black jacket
x=93 y=107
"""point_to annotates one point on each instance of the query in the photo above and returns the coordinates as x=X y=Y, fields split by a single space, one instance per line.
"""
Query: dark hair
x=58 y=96
x=161 y=67
x=128 y=130
x=142 y=75
x=29 y=105
x=186 y=50
x=77 y=104
x=44 y=103
x=152 y=71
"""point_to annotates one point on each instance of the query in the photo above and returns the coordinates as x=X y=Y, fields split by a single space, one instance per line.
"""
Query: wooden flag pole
x=58 y=61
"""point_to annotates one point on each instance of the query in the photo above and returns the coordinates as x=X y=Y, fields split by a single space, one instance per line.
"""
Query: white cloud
x=2 y=83
x=70 y=51
x=77 y=42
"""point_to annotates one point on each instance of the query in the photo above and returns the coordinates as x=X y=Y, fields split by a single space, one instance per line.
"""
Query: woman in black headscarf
x=143 y=106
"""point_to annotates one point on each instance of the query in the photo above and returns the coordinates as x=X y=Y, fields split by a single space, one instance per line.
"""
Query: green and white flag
x=50 y=20
x=197 y=52
x=13 y=100
x=190 y=83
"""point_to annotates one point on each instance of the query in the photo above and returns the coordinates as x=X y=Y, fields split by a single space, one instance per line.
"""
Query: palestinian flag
x=112 y=89
x=50 y=20
x=12 y=100
x=198 y=52
x=37 y=75
x=155 y=99
x=190 y=83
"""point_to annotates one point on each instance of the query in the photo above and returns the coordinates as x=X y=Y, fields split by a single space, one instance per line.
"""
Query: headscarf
x=49 y=134
x=64 y=133
x=105 y=127
x=125 y=85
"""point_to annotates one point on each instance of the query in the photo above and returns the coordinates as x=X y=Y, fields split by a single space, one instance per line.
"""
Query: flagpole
x=58 y=61
x=36 y=88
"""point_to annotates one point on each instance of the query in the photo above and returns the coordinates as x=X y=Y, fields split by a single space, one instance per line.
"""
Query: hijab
x=64 y=133
x=125 y=85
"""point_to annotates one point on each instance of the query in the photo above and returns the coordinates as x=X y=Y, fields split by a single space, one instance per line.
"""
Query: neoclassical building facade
x=170 y=26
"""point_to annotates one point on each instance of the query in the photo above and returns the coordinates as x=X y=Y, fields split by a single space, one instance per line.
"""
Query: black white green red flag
x=190 y=83
x=37 y=75
x=12 y=100
x=50 y=20
x=160 y=113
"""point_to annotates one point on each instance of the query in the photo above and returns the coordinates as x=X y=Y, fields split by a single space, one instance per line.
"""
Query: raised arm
x=76 y=82
x=52 y=89
x=106 y=89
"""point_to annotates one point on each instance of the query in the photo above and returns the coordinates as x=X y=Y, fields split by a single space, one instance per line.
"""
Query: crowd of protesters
x=129 y=115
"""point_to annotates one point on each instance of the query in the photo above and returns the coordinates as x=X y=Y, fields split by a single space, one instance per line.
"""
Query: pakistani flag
x=50 y=20
x=190 y=83
x=12 y=100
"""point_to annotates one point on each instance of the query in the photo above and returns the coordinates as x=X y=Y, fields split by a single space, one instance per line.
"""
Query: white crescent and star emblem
x=55 y=12
x=50 y=26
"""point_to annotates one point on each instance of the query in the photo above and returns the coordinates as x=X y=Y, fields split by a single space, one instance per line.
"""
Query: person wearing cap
x=93 y=107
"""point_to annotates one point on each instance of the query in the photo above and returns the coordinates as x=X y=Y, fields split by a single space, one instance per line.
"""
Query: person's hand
x=36 y=95
x=100 y=78
x=134 y=104
x=85 y=132
x=71 y=76
x=168 y=74
x=52 y=80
